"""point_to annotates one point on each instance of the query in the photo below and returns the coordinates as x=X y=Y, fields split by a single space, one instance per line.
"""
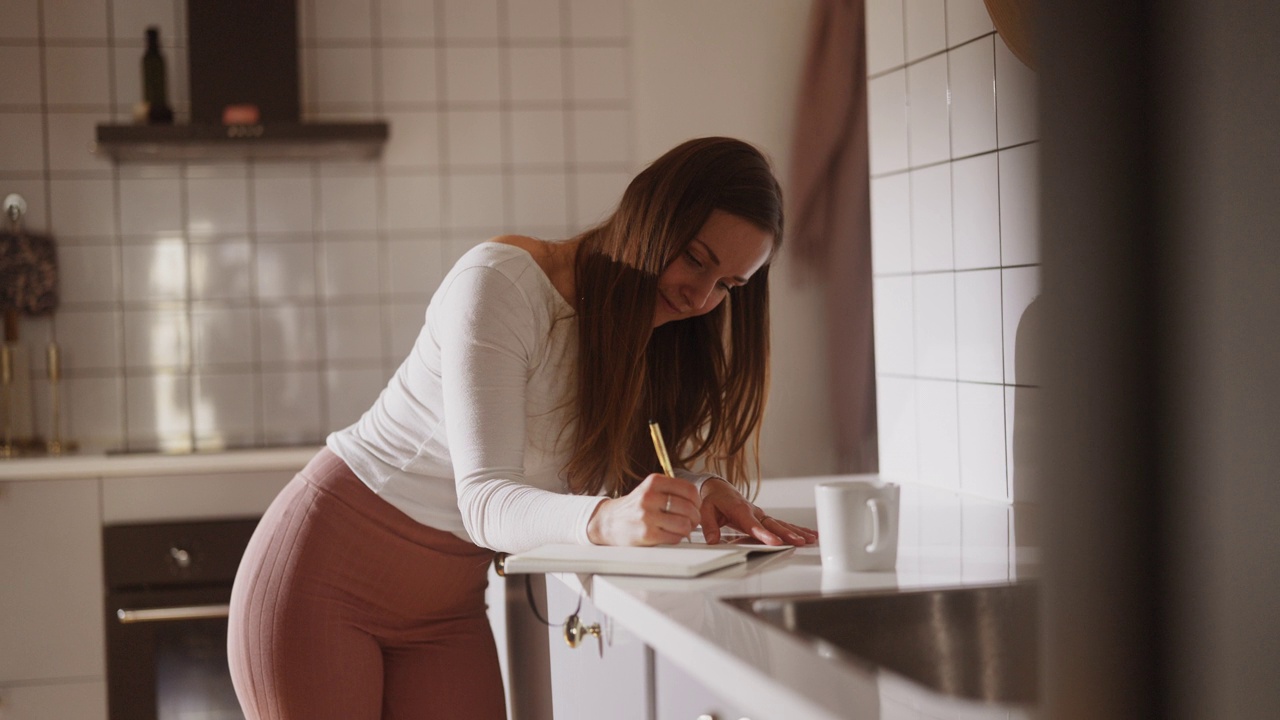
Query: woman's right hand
x=661 y=510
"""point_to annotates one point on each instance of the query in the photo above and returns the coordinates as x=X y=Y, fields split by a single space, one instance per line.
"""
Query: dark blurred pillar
x=1161 y=223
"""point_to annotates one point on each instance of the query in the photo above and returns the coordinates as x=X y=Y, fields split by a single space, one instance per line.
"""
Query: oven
x=168 y=586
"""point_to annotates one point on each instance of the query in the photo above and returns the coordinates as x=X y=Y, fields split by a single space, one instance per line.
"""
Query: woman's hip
x=328 y=537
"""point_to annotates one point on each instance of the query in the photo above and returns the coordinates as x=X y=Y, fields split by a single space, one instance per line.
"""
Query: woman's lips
x=671 y=308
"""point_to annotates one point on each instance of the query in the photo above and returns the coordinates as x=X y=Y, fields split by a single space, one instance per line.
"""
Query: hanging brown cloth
x=830 y=216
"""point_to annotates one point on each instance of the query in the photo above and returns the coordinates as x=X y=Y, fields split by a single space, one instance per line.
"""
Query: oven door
x=168 y=586
x=167 y=656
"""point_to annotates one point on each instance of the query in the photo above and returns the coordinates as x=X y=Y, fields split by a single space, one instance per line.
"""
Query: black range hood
x=265 y=141
x=243 y=52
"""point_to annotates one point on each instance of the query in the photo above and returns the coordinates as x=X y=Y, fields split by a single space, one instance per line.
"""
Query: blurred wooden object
x=1012 y=19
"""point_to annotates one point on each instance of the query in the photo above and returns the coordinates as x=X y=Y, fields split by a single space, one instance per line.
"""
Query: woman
x=520 y=419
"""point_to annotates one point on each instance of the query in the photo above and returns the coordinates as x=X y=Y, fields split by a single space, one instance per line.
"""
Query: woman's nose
x=698 y=294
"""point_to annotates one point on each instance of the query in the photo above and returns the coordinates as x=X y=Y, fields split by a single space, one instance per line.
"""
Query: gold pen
x=661 y=448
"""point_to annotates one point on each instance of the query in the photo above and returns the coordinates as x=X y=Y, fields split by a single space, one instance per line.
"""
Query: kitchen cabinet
x=85 y=700
x=605 y=678
x=51 y=623
x=678 y=696
x=52 y=634
x=190 y=496
x=624 y=681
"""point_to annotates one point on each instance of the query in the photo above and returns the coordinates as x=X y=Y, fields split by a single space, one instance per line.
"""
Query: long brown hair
x=704 y=379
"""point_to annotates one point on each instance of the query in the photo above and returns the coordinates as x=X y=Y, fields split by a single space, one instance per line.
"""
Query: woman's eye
x=693 y=259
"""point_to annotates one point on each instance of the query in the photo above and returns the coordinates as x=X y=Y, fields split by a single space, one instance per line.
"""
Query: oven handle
x=190 y=612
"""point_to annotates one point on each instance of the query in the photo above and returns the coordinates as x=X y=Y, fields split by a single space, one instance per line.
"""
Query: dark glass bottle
x=154 y=81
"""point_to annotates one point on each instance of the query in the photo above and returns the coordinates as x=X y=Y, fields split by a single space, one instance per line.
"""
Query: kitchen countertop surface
x=946 y=540
x=102 y=465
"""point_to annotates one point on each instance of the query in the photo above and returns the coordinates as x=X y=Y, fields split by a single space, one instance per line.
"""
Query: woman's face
x=726 y=252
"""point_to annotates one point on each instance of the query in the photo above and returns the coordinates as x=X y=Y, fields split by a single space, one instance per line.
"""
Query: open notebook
x=686 y=559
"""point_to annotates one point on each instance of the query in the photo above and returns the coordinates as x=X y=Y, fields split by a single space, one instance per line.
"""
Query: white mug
x=857 y=525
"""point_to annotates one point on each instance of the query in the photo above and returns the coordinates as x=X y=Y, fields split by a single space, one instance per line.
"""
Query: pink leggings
x=344 y=608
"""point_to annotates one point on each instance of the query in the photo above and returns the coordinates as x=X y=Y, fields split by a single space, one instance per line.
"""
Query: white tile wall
x=223 y=409
x=935 y=325
x=895 y=337
x=537 y=137
x=1016 y=101
x=897 y=427
x=341 y=19
x=23 y=157
x=591 y=19
x=979 y=332
x=931 y=244
x=406 y=20
x=77 y=76
x=938 y=455
x=885 y=37
x=471 y=19
x=975 y=211
x=928 y=125
x=973 y=98
x=955 y=251
x=23 y=65
x=926 y=25
x=408 y=75
x=245 y=303
x=535 y=19
x=891 y=223
x=1019 y=209
x=966 y=20
x=598 y=73
x=887 y=119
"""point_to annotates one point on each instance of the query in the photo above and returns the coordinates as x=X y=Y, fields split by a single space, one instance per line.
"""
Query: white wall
x=731 y=67
x=247 y=303
x=955 y=247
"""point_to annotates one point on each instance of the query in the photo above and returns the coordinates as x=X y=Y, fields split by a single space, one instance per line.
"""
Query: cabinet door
x=190 y=496
x=51 y=621
x=678 y=696
x=61 y=701
x=589 y=685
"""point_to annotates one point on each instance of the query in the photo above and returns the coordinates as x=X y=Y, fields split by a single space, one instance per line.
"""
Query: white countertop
x=102 y=465
x=945 y=541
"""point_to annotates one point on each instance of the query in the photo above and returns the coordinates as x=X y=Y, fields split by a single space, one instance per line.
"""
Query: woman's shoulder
x=510 y=251
x=554 y=260
x=535 y=247
x=518 y=259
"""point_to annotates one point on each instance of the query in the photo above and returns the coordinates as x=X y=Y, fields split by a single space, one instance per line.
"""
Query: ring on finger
x=667 y=508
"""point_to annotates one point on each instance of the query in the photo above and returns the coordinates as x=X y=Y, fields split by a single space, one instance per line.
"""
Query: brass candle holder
x=6 y=380
x=56 y=445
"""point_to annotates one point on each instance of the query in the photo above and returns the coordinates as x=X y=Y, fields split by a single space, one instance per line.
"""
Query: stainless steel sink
x=977 y=643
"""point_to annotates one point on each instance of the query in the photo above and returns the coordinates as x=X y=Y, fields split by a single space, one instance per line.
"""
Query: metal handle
x=576 y=631
x=190 y=612
x=874 y=506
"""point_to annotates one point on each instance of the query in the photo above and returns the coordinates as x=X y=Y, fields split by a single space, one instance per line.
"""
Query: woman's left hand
x=723 y=505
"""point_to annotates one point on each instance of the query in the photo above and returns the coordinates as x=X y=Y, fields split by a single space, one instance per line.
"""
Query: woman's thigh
x=449 y=671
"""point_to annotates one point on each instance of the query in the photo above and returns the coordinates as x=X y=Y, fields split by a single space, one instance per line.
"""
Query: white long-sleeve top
x=472 y=433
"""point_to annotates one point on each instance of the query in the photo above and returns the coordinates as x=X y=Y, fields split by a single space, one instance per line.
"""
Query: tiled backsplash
x=249 y=303
x=955 y=244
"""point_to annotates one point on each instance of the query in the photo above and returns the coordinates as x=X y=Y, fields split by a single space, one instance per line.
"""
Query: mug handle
x=874 y=506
